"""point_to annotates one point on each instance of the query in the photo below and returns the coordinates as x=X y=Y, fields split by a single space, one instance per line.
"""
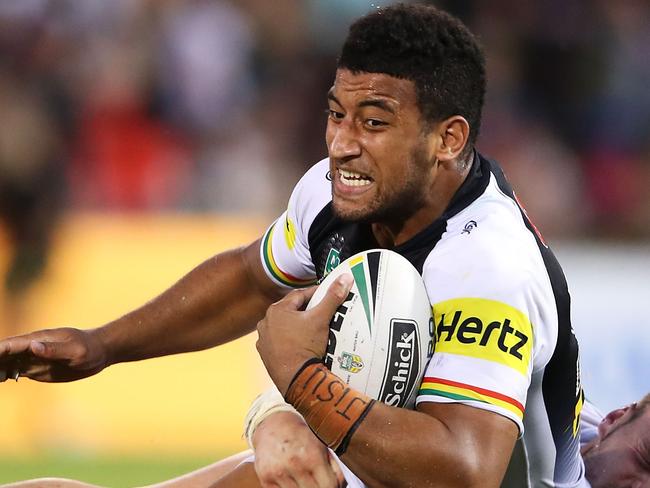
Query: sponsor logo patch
x=402 y=364
x=484 y=329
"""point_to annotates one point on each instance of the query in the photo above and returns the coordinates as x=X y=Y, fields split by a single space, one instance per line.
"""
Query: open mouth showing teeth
x=350 y=178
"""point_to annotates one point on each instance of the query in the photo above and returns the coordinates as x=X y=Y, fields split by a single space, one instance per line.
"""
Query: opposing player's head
x=620 y=455
x=408 y=95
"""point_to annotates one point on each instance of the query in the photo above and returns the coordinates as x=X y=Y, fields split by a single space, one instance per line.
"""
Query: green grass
x=113 y=472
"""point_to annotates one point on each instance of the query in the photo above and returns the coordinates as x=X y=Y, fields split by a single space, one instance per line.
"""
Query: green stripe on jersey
x=360 y=279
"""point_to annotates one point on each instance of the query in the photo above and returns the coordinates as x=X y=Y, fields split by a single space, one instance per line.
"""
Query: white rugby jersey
x=501 y=306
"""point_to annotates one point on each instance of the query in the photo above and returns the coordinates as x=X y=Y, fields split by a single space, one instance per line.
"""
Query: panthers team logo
x=331 y=257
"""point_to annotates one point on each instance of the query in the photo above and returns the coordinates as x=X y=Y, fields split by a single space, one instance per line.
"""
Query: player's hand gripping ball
x=381 y=337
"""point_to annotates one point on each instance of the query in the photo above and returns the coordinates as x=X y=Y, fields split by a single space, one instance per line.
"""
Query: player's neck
x=443 y=189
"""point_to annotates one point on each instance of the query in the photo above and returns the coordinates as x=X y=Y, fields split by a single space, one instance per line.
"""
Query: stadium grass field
x=111 y=472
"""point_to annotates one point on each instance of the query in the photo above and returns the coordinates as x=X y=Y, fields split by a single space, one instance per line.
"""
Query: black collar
x=474 y=185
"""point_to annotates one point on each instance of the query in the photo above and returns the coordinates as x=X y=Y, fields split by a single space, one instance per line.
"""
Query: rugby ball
x=381 y=337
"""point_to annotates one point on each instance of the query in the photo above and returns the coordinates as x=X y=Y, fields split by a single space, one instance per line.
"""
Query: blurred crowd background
x=217 y=106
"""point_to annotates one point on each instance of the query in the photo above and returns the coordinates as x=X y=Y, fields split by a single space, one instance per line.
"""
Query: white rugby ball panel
x=380 y=338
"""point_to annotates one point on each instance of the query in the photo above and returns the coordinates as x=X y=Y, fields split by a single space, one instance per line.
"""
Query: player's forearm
x=396 y=447
x=213 y=304
x=446 y=445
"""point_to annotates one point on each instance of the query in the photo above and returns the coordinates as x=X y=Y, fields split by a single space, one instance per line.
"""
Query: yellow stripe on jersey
x=289 y=233
x=484 y=329
x=356 y=260
x=577 y=411
x=274 y=269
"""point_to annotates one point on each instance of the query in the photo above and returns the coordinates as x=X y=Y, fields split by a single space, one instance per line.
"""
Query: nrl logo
x=352 y=363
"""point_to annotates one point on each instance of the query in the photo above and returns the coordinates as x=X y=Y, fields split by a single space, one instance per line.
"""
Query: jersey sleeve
x=285 y=246
x=590 y=418
x=487 y=309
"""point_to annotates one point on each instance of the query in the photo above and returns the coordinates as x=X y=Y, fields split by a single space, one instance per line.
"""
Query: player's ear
x=450 y=138
x=610 y=420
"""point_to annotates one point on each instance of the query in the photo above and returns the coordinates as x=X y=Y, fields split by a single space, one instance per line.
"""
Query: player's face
x=377 y=147
x=621 y=456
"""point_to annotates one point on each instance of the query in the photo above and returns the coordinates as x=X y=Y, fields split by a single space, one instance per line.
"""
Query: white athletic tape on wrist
x=268 y=403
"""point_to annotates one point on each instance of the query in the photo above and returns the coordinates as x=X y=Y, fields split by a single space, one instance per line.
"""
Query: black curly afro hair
x=429 y=47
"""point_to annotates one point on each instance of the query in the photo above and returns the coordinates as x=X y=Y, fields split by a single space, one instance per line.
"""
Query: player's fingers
x=335 y=295
x=272 y=473
x=52 y=350
x=7 y=372
x=12 y=372
x=295 y=300
x=14 y=345
x=281 y=480
x=324 y=475
x=336 y=469
x=39 y=371
x=306 y=480
x=285 y=483
x=11 y=350
x=309 y=292
x=20 y=366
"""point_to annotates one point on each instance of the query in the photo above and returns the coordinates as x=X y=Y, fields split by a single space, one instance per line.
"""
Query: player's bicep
x=258 y=276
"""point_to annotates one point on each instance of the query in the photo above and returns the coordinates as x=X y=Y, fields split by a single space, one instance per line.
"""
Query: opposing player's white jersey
x=504 y=340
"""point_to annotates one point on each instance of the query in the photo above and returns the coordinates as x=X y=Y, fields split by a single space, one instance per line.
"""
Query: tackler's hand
x=288 y=454
x=290 y=335
x=54 y=355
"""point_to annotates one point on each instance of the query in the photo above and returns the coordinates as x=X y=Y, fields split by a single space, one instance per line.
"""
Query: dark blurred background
x=177 y=105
